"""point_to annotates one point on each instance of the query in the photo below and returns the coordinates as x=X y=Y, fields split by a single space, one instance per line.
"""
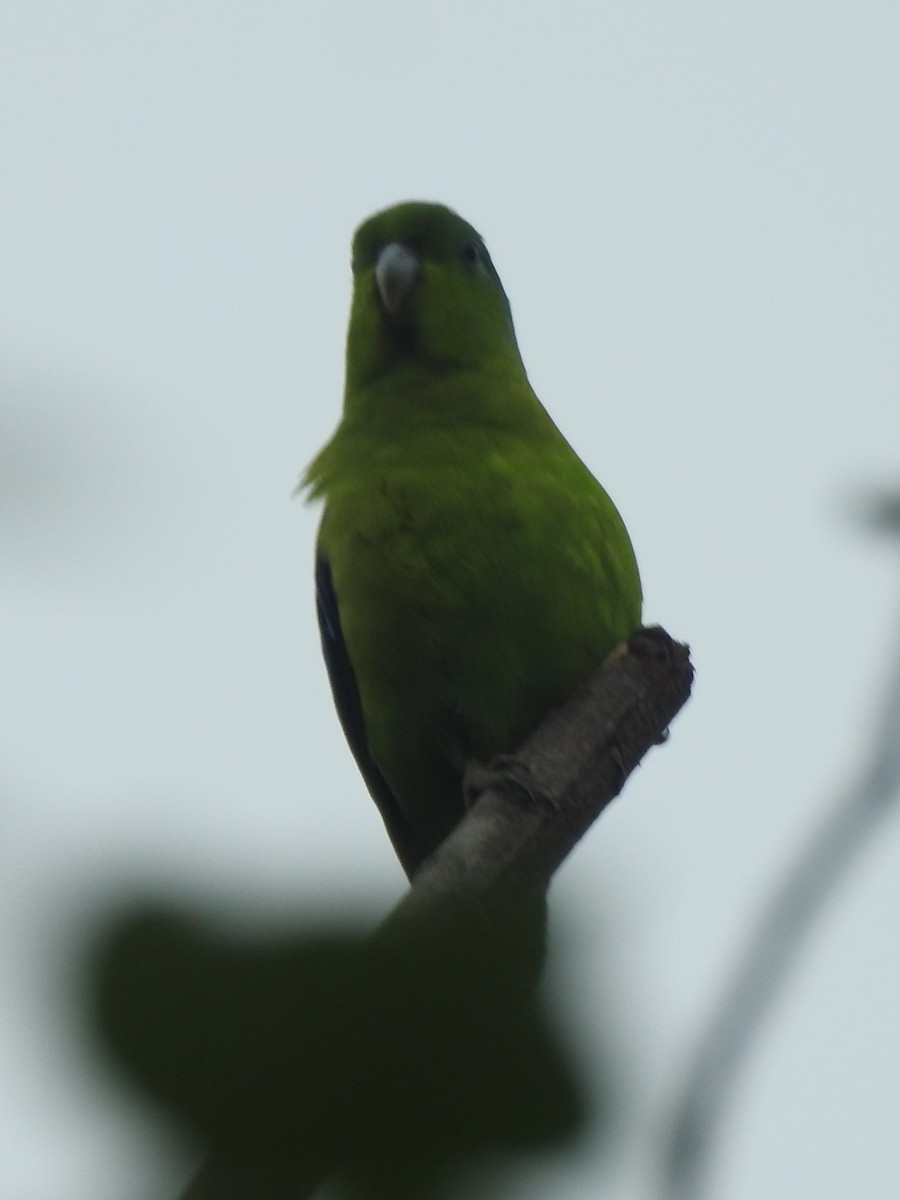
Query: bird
x=470 y=570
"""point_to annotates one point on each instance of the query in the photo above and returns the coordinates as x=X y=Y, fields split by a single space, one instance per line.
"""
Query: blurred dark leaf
x=388 y=1059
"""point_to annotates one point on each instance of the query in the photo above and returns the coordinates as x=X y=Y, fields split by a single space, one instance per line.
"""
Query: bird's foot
x=506 y=774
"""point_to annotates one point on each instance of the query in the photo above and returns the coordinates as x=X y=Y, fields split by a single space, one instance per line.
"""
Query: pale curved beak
x=396 y=271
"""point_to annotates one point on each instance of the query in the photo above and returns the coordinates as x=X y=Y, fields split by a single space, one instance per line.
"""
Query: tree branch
x=533 y=807
x=527 y=814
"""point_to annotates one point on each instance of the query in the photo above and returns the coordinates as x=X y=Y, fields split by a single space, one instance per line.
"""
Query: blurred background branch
x=784 y=926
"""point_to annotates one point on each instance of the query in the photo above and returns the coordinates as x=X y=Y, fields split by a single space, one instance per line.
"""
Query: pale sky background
x=694 y=209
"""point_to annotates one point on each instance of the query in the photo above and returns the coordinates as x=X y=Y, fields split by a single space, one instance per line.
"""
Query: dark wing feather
x=349 y=709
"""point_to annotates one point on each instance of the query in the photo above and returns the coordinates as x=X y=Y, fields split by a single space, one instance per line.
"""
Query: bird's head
x=424 y=292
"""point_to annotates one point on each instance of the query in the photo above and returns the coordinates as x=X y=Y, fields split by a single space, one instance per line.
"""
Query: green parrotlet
x=470 y=569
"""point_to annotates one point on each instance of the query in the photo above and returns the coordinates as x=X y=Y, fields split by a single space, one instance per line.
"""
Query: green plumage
x=472 y=570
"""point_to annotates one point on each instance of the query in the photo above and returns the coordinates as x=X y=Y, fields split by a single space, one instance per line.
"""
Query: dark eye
x=470 y=253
